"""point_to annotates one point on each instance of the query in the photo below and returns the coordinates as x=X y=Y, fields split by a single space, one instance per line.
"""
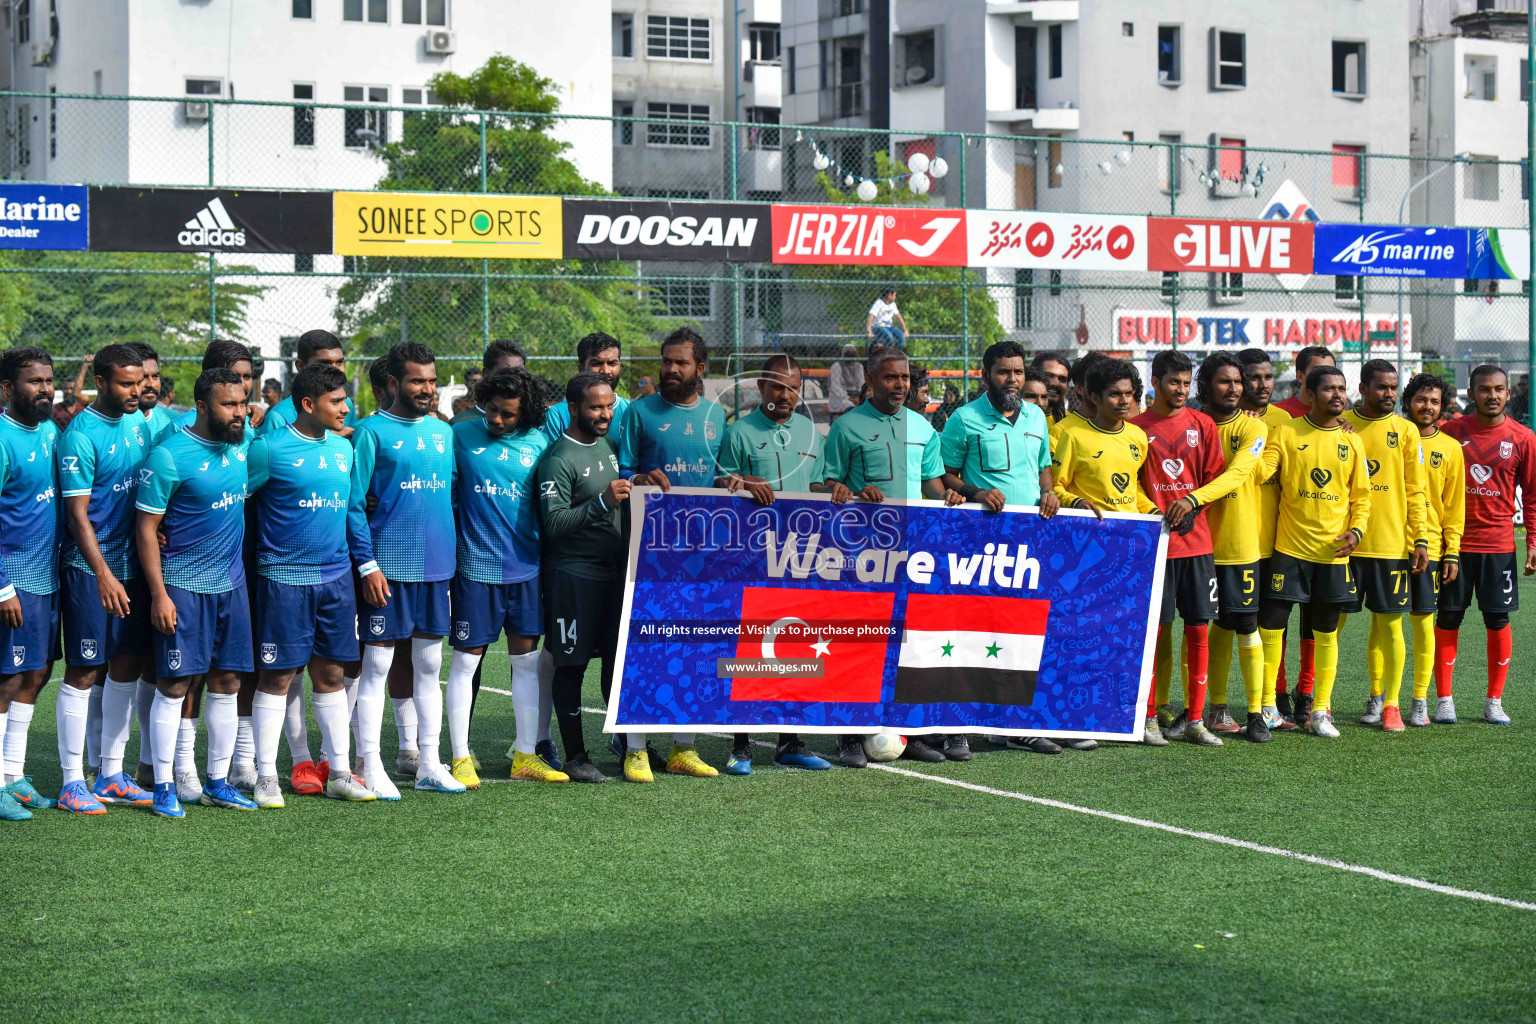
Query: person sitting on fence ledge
x=883 y=318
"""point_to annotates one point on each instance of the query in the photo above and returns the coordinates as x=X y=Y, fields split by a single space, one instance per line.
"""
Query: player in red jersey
x=1184 y=470
x=1500 y=455
x=1312 y=355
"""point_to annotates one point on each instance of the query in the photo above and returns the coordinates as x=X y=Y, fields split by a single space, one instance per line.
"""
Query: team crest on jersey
x=1193 y=437
x=376 y=624
x=461 y=630
x=1135 y=452
x=1343 y=453
x=525 y=456
x=18 y=655
x=268 y=653
x=437 y=439
x=615 y=460
x=1506 y=449
x=1277 y=581
x=88 y=649
x=1435 y=459
x=1391 y=439
x=1236 y=441
x=173 y=659
x=709 y=430
x=1121 y=482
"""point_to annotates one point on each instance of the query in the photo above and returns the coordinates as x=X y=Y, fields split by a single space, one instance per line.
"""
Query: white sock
x=267 y=711
x=371 y=685
x=69 y=716
x=5 y=725
x=426 y=678
x=117 y=704
x=634 y=741
x=186 y=745
x=221 y=717
x=17 y=722
x=682 y=739
x=93 y=728
x=143 y=700
x=546 y=665
x=165 y=723
x=295 y=729
x=405 y=722
x=331 y=713
x=461 y=677
x=245 y=741
x=525 y=700
x=349 y=687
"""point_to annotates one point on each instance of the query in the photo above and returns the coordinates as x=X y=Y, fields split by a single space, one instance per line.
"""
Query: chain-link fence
x=75 y=302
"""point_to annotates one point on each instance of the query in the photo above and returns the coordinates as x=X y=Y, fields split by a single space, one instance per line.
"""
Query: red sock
x=1304 y=674
x=1162 y=631
x=1280 y=679
x=1196 y=642
x=1501 y=645
x=1445 y=660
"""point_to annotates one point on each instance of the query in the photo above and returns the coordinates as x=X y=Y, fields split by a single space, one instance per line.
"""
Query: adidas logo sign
x=212 y=227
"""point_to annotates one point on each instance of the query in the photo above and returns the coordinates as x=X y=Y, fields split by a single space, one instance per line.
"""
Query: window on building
x=1024 y=87
x=23 y=21
x=1053 y=45
x=434 y=11
x=1490 y=85
x=1170 y=54
x=1023 y=299
x=677 y=193
x=303 y=116
x=790 y=85
x=1169 y=287
x=1480 y=178
x=1231 y=158
x=303 y=263
x=1482 y=73
x=351 y=10
x=764 y=133
x=1347 y=290
x=763 y=42
x=846 y=8
x=1348 y=68
x=1055 y=281
x=1171 y=172
x=23 y=135
x=53 y=122
x=1229 y=59
x=378 y=11
x=682 y=131
x=623 y=35
x=1053 y=159
x=418 y=97
x=762 y=294
x=842 y=77
x=205 y=87
x=304 y=9
x=1228 y=287
x=1477 y=286
x=1525 y=80
x=917 y=58
x=691 y=300
x=364 y=128
x=669 y=38
x=96 y=82
x=1348 y=172
x=1127 y=28
x=623 y=131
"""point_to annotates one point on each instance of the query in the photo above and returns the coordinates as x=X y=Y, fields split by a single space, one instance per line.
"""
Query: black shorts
x=1237 y=587
x=1494 y=577
x=582 y=616
x=1424 y=591
x=1287 y=578
x=1189 y=589
x=1381 y=584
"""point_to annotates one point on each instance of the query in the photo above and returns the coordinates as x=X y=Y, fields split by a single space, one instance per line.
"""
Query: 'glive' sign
x=1243 y=247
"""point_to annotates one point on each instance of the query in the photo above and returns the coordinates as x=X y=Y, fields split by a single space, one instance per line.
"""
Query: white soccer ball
x=884 y=746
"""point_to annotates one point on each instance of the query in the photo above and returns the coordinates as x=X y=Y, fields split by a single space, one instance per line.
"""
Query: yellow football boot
x=637 y=766
x=464 y=771
x=686 y=761
x=533 y=768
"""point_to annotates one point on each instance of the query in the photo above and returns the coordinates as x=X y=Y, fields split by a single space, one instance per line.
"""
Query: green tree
x=440 y=151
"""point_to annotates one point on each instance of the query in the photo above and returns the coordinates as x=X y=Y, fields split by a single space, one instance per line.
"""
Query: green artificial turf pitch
x=837 y=895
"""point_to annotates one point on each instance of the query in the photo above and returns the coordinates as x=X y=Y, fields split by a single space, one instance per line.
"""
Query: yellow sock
x=1376 y=644
x=1273 y=641
x=1423 y=654
x=1163 y=663
x=1220 y=664
x=1325 y=666
x=1250 y=660
x=1389 y=651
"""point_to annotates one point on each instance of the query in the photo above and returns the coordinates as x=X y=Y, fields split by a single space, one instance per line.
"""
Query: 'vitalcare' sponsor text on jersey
x=101 y=456
x=29 y=508
x=302 y=487
x=200 y=487
x=1498 y=459
x=497 y=503
x=1325 y=489
x=682 y=441
x=407 y=464
x=1184 y=459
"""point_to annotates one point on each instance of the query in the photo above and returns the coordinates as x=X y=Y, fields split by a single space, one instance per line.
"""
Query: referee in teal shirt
x=997 y=449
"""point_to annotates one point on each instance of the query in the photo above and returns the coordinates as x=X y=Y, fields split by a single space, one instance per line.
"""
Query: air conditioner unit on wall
x=441 y=42
x=195 y=111
x=42 y=52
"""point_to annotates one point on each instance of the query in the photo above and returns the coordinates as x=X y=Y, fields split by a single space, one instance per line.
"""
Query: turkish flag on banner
x=793 y=622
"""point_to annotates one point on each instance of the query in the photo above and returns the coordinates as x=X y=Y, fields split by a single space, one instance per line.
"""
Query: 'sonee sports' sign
x=437 y=224
x=808 y=616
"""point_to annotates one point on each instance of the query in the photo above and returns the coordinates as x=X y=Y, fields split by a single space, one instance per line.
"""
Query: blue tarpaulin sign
x=806 y=616
x=38 y=216
x=1378 y=250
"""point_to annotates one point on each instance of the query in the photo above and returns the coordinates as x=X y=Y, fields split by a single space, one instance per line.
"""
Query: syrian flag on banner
x=802 y=622
x=961 y=649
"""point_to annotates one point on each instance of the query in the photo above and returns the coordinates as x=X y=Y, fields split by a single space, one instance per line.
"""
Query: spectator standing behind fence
x=844 y=379
x=883 y=318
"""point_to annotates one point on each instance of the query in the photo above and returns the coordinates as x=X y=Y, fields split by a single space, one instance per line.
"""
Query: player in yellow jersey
x=1236 y=543
x=1325 y=506
x=1394 y=547
x=1445 y=518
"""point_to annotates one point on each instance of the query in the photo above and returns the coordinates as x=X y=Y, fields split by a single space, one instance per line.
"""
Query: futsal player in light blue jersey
x=499 y=356
x=404 y=551
x=597 y=353
x=193 y=488
x=29 y=564
x=105 y=607
x=316 y=347
x=671 y=438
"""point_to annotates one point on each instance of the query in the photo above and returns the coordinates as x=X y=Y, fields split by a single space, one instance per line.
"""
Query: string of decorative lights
x=921 y=171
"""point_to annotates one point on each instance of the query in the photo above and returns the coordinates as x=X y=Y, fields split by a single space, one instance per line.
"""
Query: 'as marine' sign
x=460 y=225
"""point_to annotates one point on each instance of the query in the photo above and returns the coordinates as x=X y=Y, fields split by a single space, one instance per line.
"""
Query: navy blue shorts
x=294 y=623
x=482 y=610
x=36 y=643
x=412 y=608
x=92 y=635
x=213 y=632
